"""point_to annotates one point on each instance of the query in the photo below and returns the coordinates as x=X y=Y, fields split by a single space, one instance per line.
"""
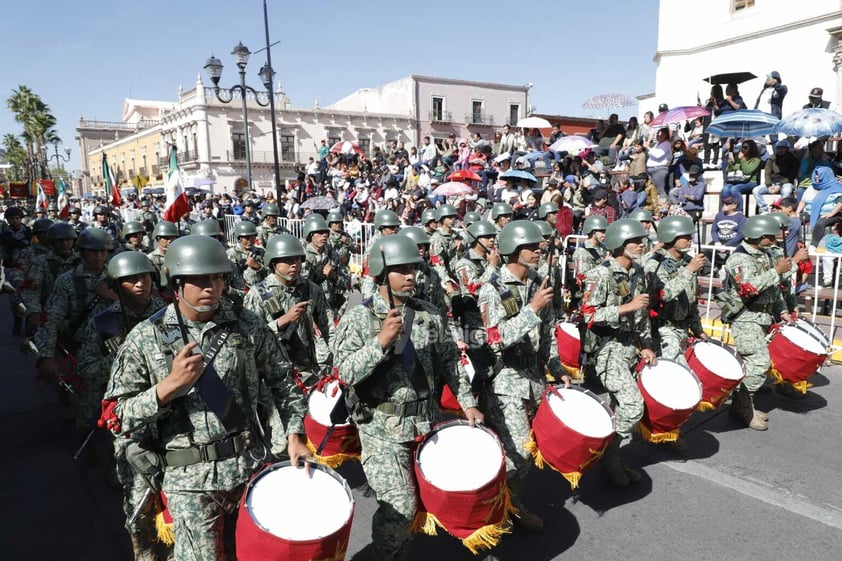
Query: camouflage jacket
x=752 y=278
x=523 y=341
x=238 y=256
x=29 y=255
x=249 y=359
x=443 y=255
x=677 y=289
x=313 y=265
x=41 y=277
x=789 y=279
x=13 y=242
x=342 y=244
x=586 y=257
x=378 y=376
x=157 y=257
x=110 y=229
x=472 y=271
x=270 y=299
x=72 y=302
x=264 y=232
x=608 y=287
x=104 y=334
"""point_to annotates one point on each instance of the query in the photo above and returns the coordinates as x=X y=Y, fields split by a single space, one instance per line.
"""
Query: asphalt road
x=739 y=494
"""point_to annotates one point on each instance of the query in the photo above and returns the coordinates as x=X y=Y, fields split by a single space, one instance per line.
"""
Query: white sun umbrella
x=572 y=144
x=533 y=123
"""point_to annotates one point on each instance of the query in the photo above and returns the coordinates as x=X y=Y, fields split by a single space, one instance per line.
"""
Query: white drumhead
x=718 y=360
x=289 y=504
x=802 y=339
x=581 y=412
x=672 y=385
x=320 y=403
x=571 y=329
x=810 y=328
x=460 y=458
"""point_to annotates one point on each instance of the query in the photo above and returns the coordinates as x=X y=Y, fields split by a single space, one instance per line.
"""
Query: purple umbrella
x=678 y=115
x=453 y=189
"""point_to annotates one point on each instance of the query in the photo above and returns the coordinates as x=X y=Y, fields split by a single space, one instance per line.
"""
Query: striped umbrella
x=811 y=122
x=743 y=123
x=609 y=101
x=346 y=147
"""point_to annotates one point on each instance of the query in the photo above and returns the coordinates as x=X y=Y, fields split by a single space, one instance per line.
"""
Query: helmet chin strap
x=197 y=309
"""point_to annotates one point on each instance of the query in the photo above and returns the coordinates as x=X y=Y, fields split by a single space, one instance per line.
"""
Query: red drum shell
x=790 y=359
x=661 y=422
x=715 y=387
x=569 y=346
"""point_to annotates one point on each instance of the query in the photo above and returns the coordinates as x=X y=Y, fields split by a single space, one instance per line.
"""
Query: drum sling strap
x=515 y=357
x=290 y=338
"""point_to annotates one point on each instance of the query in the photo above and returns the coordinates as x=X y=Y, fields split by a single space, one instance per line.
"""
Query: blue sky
x=86 y=57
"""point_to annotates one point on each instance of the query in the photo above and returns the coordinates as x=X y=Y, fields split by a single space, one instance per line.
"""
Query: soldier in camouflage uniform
x=270 y=226
x=75 y=220
x=130 y=274
x=501 y=214
x=235 y=286
x=647 y=221
x=323 y=266
x=386 y=223
x=516 y=311
x=250 y=213
x=480 y=264
x=14 y=240
x=395 y=401
x=430 y=221
x=338 y=239
x=77 y=296
x=544 y=261
x=133 y=233
x=754 y=282
x=164 y=233
x=102 y=221
x=615 y=311
x=428 y=285
x=148 y=218
x=294 y=307
x=245 y=256
x=589 y=255
x=443 y=254
x=469 y=218
x=42 y=274
x=159 y=380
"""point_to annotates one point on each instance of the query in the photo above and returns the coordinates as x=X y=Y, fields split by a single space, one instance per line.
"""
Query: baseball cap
x=694 y=169
x=729 y=201
x=783 y=143
x=774 y=74
x=570 y=179
x=776 y=203
x=663 y=107
x=816 y=92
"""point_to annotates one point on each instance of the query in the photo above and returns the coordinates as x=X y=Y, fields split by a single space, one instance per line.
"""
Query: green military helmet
x=672 y=227
x=641 y=215
x=12 y=212
x=471 y=217
x=428 y=216
x=481 y=229
x=546 y=229
x=518 y=233
x=281 y=246
x=761 y=225
x=416 y=234
x=446 y=211
x=195 y=256
x=621 y=231
x=209 y=227
x=129 y=264
x=395 y=250
x=40 y=227
x=164 y=229
x=782 y=219
x=245 y=228
x=593 y=223
x=334 y=216
x=545 y=209
x=315 y=223
x=133 y=227
x=61 y=231
x=94 y=239
x=270 y=209
x=53 y=207
x=386 y=219
x=500 y=209
x=100 y=209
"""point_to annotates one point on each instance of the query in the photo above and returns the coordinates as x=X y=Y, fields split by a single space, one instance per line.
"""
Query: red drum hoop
x=671 y=392
x=796 y=354
x=719 y=368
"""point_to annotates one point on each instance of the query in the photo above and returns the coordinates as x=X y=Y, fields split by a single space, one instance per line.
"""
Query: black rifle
x=655 y=304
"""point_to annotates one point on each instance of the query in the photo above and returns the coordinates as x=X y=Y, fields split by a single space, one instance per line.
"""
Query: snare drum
x=570 y=431
x=719 y=369
x=288 y=515
x=671 y=392
x=812 y=329
x=343 y=442
x=461 y=473
x=567 y=341
x=796 y=354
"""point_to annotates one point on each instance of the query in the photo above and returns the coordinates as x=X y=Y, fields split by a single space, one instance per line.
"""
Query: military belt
x=520 y=361
x=408 y=409
x=212 y=452
x=760 y=308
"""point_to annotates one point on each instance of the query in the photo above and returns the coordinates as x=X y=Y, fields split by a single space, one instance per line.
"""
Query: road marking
x=776 y=497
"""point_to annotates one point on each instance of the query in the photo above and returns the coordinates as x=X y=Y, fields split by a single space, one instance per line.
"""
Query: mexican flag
x=41 y=200
x=177 y=203
x=111 y=191
x=62 y=200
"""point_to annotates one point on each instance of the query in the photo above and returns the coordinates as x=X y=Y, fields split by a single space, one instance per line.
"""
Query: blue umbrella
x=811 y=122
x=743 y=123
x=518 y=174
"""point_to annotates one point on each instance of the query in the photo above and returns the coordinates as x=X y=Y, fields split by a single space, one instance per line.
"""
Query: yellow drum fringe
x=572 y=477
x=705 y=406
x=333 y=461
x=485 y=537
x=164 y=530
x=657 y=438
x=801 y=386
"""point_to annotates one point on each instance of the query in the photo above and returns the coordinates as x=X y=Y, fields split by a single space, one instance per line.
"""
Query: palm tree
x=16 y=156
x=38 y=124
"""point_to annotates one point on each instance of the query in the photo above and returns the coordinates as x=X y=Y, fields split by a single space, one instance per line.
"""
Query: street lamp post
x=267 y=75
x=214 y=69
x=57 y=157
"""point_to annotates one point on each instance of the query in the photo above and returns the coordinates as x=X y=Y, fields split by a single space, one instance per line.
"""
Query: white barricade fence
x=831 y=262
x=231 y=221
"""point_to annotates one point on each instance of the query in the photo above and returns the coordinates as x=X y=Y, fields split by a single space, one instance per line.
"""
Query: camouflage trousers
x=511 y=418
x=750 y=337
x=204 y=523
x=614 y=364
x=388 y=467
x=673 y=339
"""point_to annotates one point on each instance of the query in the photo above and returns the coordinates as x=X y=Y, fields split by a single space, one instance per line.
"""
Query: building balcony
x=181 y=156
x=479 y=119
x=441 y=116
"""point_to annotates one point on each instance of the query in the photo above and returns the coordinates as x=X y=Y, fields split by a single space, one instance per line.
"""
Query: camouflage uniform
x=443 y=255
x=586 y=257
x=238 y=256
x=203 y=496
x=612 y=341
x=678 y=313
x=524 y=344
x=41 y=278
x=157 y=257
x=335 y=289
x=109 y=229
x=264 y=232
x=342 y=244
x=753 y=279
x=299 y=343
x=383 y=387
